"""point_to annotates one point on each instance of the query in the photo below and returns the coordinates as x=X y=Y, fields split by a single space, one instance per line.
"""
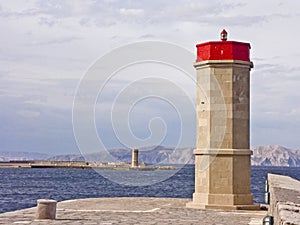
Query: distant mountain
x=69 y=157
x=275 y=155
x=7 y=156
x=148 y=155
x=154 y=155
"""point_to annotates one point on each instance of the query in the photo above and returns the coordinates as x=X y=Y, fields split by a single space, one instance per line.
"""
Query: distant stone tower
x=135 y=158
x=222 y=156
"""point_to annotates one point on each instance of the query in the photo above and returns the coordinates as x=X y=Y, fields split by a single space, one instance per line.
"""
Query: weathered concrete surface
x=284 y=199
x=133 y=211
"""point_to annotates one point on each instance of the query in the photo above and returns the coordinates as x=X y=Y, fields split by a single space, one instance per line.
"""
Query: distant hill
x=7 y=156
x=274 y=155
x=68 y=157
x=148 y=155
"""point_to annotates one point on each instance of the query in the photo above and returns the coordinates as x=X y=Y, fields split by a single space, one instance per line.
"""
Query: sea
x=20 y=188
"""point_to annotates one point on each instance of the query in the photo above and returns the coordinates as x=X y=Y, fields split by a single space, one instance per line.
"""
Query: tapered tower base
x=222 y=180
x=222 y=207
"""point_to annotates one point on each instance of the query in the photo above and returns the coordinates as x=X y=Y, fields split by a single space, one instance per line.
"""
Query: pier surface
x=284 y=199
x=107 y=211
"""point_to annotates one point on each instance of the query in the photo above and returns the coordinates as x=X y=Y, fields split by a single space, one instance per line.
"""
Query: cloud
x=28 y=113
x=47 y=46
x=60 y=40
x=111 y=13
x=133 y=12
x=47 y=21
x=35 y=120
x=29 y=12
x=147 y=36
x=275 y=111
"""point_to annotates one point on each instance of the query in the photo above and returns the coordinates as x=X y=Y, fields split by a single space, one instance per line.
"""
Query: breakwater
x=81 y=165
x=284 y=193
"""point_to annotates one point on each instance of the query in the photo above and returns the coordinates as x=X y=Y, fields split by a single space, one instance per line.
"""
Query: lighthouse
x=222 y=154
x=135 y=158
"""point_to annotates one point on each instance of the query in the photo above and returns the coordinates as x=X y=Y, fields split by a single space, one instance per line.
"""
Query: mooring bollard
x=46 y=209
x=268 y=220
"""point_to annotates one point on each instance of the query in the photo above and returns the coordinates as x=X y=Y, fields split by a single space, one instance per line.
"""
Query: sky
x=47 y=47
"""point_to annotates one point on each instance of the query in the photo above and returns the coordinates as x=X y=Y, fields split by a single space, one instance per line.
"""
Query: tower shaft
x=222 y=156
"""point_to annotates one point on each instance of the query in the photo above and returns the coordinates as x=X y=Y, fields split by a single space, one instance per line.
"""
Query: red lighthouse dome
x=223 y=50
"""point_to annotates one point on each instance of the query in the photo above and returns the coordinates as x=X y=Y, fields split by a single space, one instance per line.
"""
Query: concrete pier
x=284 y=199
x=127 y=211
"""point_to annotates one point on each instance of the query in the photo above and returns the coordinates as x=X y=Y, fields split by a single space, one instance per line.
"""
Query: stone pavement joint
x=110 y=211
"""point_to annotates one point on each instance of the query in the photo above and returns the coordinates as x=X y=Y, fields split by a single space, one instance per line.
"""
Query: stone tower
x=135 y=158
x=222 y=156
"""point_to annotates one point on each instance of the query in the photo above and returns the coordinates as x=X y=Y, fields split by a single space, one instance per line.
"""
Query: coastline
x=82 y=165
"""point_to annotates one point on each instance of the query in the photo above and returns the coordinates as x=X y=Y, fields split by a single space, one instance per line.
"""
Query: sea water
x=20 y=188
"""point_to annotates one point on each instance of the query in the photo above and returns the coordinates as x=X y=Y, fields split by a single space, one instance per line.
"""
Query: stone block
x=46 y=209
